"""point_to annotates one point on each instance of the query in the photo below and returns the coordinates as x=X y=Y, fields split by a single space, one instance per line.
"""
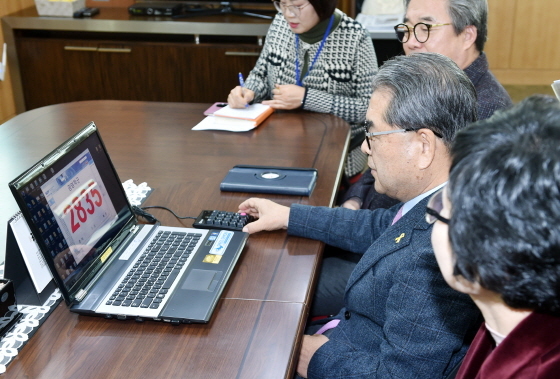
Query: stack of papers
x=380 y=22
x=236 y=120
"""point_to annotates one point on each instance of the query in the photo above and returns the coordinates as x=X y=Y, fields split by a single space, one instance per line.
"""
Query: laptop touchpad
x=202 y=280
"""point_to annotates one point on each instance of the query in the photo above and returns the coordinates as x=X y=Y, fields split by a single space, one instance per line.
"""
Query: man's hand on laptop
x=269 y=215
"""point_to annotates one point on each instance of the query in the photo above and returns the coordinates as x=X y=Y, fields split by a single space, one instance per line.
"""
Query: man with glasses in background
x=458 y=30
x=400 y=319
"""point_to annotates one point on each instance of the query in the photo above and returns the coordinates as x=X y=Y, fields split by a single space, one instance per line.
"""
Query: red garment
x=531 y=350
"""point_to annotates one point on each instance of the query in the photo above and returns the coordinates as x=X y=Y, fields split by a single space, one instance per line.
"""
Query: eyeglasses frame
x=367 y=124
x=291 y=8
x=432 y=212
x=429 y=26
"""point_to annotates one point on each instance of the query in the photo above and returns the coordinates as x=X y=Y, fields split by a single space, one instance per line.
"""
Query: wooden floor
x=518 y=93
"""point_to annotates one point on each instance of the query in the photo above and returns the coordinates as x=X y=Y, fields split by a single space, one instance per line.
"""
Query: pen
x=241 y=81
x=242 y=84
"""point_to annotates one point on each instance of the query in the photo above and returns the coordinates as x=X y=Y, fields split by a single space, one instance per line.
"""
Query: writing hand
x=240 y=97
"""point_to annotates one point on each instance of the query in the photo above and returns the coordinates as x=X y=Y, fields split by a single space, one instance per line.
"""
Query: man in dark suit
x=458 y=30
x=400 y=319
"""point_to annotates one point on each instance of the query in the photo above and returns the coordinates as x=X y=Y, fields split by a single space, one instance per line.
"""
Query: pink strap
x=329 y=325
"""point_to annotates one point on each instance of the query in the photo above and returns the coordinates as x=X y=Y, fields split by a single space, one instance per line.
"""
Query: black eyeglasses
x=434 y=208
x=421 y=31
x=368 y=123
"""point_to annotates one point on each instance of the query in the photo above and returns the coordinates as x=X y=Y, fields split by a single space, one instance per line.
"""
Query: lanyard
x=299 y=81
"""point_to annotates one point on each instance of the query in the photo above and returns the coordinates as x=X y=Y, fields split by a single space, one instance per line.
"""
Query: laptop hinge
x=80 y=295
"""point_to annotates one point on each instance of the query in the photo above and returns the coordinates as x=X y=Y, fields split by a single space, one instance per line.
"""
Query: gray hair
x=468 y=12
x=428 y=90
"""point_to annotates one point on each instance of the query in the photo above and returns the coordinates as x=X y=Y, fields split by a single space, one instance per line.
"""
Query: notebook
x=235 y=120
x=106 y=263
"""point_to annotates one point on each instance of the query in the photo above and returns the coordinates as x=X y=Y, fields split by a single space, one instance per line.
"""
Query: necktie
x=397 y=216
x=329 y=325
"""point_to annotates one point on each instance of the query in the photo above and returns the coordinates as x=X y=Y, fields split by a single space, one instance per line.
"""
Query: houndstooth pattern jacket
x=340 y=82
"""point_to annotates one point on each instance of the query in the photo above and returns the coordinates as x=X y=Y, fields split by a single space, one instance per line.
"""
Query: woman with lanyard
x=318 y=59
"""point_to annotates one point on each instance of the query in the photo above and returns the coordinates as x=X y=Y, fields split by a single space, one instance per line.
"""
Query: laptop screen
x=76 y=203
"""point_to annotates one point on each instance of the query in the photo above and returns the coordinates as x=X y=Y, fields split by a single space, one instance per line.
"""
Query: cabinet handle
x=243 y=53
x=114 y=50
x=80 y=48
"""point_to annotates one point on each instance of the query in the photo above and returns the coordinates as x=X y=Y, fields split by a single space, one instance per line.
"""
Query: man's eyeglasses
x=434 y=208
x=367 y=124
x=294 y=9
x=421 y=31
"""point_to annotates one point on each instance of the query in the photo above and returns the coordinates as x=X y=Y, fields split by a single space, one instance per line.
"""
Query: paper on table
x=225 y=123
x=34 y=260
x=252 y=112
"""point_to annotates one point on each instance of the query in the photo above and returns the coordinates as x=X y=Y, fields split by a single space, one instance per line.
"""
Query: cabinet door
x=57 y=70
x=217 y=67
x=142 y=71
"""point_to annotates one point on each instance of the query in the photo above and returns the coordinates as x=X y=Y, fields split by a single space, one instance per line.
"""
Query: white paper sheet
x=36 y=265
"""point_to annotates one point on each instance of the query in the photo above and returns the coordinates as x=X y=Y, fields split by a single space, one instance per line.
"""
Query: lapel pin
x=399 y=238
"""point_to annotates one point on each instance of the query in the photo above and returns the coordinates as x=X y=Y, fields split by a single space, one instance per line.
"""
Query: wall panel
x=7 y=105
x=523 y=45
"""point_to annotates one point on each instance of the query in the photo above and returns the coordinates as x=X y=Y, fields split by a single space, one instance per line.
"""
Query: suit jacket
x=401 y=319
x=530 y=351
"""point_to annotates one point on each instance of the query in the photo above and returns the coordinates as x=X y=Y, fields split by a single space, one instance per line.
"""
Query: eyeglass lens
x=282 y=7
x=435 y=206
x=421 y=32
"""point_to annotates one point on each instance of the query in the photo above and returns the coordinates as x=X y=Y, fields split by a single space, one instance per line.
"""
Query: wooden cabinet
x=59 y=67
x=116 y=56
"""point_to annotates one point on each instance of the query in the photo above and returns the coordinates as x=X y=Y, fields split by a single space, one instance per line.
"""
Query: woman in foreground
x=497 y=238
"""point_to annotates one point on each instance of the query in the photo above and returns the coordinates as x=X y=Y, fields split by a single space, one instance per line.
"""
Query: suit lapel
x=395 y=238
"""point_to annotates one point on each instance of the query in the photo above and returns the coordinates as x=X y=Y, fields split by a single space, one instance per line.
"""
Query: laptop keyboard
x=147 y=283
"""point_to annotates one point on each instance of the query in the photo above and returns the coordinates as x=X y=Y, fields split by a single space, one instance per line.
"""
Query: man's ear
x=469 y=36
x=428 y=141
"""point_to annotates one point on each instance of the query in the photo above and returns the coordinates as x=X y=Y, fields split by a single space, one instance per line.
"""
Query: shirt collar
x=411 y=203
x=316 y=33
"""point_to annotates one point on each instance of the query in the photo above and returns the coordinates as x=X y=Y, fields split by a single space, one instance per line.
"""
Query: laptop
x=106 y=263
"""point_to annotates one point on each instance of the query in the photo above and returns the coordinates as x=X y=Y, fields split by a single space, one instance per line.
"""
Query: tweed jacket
x=490 y=94
x=340 y=82
x=530 y=351
x=401 y=319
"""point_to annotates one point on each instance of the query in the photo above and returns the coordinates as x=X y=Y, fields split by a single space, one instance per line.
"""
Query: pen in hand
x=242 y=84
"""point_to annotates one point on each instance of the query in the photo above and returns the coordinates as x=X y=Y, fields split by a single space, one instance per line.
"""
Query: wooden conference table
x=257 y=326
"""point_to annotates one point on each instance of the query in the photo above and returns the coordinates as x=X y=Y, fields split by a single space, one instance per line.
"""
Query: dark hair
x=428 y=90
x=469 y=12
x=504 y=188
x=323 y=8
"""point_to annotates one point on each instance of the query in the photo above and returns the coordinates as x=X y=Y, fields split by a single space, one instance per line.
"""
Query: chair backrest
x=556 y=88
